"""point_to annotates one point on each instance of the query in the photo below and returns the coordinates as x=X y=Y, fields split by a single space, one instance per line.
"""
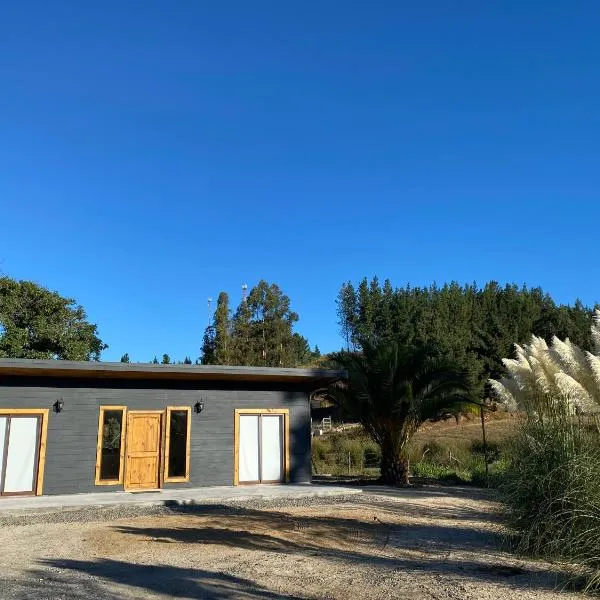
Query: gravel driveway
x=431 y=543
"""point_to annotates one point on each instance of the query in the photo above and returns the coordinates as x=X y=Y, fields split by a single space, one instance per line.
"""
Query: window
x=23 y=435
x=261 y=446
x=109 y=455
x=177 y=443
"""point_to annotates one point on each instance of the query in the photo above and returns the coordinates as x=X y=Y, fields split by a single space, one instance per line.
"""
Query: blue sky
x=155 y=153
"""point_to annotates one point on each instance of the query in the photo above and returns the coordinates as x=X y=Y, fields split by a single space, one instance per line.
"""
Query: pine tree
x=208 y=351
x=125 y=358
x=242 y=351
x=474 y=326
x=166 y=359
x=346 y=311
x=187 y=360
x=222 y=326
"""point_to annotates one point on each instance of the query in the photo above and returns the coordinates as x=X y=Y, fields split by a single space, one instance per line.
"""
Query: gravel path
x=430 y=543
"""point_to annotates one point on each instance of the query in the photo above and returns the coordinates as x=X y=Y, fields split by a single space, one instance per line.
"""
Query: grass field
x=443 y=450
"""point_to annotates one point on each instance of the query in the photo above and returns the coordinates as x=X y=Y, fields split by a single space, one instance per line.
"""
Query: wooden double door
x=143 y=450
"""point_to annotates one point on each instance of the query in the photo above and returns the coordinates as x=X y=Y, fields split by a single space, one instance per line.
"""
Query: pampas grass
x=545 y=380
x=552 y=487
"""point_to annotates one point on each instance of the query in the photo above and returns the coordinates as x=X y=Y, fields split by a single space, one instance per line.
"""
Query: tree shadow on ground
x=360 y=544
x=175 y=582
x=279 y=531
x=462 y=513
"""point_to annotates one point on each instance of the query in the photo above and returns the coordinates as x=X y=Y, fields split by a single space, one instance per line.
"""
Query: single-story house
x=74 y=427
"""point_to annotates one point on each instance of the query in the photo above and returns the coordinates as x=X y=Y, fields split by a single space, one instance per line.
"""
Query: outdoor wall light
x=58 y=405
x=199 y=406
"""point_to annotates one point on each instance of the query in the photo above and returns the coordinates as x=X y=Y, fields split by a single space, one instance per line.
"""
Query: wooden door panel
x=142 y=472
x=143 y=450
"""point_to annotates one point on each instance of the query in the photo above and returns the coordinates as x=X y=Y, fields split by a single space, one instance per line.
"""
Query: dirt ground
x=432 y=543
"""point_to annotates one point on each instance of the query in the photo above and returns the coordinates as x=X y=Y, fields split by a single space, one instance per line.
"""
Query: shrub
x=321 y=448
x=372 y=456
x=553 y=492
x=493 y=450
x=430 y=470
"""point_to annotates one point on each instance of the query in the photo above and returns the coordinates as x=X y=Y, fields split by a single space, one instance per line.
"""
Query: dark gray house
x=73 y=427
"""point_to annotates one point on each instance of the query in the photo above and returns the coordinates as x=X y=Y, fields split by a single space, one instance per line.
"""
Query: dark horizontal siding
x=72 y=434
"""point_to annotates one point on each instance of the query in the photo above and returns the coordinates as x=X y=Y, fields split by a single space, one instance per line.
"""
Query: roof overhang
x=13 y=367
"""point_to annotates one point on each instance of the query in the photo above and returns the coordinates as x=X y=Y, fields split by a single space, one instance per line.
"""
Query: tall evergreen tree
x=125 y=358
x=260 y=332
x=474 y=326
x=242 y=350
x=208 y=353
x=222 y=325
x=272 y=324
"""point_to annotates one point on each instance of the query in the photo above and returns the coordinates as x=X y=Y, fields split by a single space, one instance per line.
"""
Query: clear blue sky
x=154 y=153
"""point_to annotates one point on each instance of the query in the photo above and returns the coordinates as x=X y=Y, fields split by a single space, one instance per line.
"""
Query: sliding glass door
x=260 y=453
x=19 y=453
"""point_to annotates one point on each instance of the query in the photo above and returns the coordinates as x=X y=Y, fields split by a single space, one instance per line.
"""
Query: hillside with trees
x=475 y=326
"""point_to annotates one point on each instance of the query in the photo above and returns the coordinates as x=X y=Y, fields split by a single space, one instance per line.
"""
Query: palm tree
x=392 y=390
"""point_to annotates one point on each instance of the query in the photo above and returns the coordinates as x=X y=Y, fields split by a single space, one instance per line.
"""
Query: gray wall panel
x=72 y=434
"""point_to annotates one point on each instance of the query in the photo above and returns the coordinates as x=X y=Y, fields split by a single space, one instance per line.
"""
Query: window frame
x=43 y=413
x=167 y=437
x=285 y=413
x=120 y=480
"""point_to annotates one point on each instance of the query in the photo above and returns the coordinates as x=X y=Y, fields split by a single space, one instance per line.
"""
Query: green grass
x=348 y=453
x=443 y=451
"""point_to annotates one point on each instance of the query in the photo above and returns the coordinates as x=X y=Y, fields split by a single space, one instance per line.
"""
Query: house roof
x=13 y=367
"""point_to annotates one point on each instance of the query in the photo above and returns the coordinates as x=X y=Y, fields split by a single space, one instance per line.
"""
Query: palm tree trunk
x=395 y=470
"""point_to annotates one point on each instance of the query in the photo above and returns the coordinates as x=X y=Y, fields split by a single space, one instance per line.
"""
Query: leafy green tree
x=125 y=358
x=166 y=359
x=38 y=323
x=272 y=325
x=262 y=329
x=392 y=389
x=260 y=333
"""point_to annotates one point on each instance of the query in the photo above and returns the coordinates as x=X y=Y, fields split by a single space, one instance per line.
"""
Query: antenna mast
x=209 y=303
x=244 y=292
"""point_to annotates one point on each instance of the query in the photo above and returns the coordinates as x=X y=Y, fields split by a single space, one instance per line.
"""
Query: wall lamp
x=199 y=406
x=58 y=405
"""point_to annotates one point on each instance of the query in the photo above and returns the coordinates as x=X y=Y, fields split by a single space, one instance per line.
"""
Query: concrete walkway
x=189 y=496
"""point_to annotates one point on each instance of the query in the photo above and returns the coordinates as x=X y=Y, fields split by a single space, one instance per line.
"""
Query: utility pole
x=485 y=450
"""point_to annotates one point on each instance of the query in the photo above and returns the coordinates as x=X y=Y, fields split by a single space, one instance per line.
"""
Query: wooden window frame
x=167 y=439
x=43 y=436
x=285 y=412
x=120 y=480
